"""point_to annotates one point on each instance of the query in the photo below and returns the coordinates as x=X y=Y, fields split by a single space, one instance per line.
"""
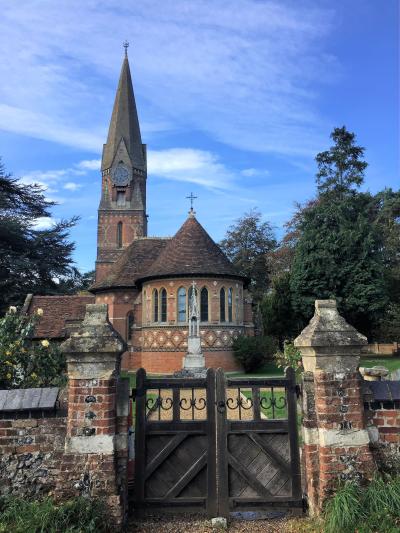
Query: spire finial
x=192 y=212
x=125 y=44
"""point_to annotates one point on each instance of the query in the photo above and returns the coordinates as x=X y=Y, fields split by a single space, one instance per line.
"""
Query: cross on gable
x=191 y=198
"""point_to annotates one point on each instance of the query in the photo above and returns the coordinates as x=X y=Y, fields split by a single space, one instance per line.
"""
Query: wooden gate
x=216 y=445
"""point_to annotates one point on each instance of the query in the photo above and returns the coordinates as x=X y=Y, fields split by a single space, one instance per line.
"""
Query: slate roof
x=382 y=391
x=133 y=263
x=191 y=252
x=124 y=123
x=60 y=313
x=28 y=399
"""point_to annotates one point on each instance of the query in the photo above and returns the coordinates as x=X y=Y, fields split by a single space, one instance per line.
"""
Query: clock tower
x=122 y=210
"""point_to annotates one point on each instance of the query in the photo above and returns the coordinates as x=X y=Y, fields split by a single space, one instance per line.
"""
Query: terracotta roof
x=61 y=314
x=191 y=252
x=133 y=263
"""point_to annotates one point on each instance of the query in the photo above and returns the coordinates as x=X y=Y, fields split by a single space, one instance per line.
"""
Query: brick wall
x=168 y=362
x=31 y=448
x=385 y=417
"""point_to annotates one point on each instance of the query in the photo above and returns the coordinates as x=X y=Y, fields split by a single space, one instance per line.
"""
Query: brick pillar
x=336 y=441
x=92 y=449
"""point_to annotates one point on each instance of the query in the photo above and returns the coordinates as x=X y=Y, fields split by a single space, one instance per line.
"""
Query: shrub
x=365 y=510
x=253 y=352
x=290 y=356
x=25 y=363
x=79 y=515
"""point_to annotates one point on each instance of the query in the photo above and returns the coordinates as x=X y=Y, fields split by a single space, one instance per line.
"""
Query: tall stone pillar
x=89 y=465
x=336 y=441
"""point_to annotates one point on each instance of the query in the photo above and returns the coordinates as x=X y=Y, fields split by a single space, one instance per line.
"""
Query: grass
x=365 y=510
x=391 y=363
x=79 y=515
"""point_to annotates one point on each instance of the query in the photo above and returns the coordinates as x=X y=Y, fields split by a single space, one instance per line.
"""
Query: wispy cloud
x=72 y=186
x=52 y=180
x=91 y=164
x=248 y=77
x=194 y=166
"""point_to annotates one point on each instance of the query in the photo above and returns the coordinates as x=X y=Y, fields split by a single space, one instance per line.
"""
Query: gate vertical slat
x=212 y=502
x=293 y=436
x=222 y=446
x=140 y=440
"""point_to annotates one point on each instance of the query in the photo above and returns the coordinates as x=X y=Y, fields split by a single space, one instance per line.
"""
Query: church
x=147 y=281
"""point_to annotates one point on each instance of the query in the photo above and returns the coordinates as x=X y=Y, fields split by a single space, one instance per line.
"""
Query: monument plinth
x=193 y=364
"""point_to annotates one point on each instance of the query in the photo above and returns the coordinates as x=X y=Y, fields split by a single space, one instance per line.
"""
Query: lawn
x=391 y=363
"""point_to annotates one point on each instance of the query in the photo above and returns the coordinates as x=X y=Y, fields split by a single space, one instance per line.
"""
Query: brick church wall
x=160 y=347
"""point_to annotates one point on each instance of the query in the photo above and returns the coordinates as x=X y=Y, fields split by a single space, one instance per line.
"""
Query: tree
x=76 y=283
x=339 y=253
x=279 y=318
x=246 y=244
x=342 y=166
x=31 y=259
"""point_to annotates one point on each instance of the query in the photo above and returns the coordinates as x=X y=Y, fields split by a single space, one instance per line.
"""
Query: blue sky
x=235 y=98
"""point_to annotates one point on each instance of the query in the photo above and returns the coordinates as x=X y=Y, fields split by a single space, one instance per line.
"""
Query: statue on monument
x=194 y=361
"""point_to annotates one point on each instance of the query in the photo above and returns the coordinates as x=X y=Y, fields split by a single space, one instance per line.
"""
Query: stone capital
x=95 y=349
x=329 y=343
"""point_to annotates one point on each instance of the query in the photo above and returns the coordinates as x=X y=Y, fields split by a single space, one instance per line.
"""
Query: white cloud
x=44 y=223
x=72 y=186
x=248 y=77
x=91 y=164
x=250 y=172
x=190 y=165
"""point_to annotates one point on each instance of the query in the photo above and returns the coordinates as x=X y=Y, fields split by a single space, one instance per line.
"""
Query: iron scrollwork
x=197 y=403
x=159 y=403
x=243 y=403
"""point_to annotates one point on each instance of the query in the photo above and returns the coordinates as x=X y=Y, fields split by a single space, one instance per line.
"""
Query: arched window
x=230 y=298
x=119 y=234
x=182 y=304
x=155 y=305
x=129 y=325
x=222 y=314
x=163 y=297
x=204 y=305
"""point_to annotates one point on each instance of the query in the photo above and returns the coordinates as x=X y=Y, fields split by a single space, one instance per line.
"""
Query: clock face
x=121 y=175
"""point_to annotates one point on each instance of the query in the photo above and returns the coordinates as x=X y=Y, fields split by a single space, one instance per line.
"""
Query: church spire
x=124 y=126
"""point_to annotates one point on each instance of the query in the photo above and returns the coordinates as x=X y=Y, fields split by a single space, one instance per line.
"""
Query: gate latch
x=221 y=406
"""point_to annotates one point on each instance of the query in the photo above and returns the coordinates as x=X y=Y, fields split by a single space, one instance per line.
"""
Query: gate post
x=336 y=442
x=90 y=462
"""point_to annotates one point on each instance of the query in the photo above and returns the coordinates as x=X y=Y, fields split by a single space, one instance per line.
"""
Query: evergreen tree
x=246 y=244
x=279 y=319
x=31 y=259
x=339 y=253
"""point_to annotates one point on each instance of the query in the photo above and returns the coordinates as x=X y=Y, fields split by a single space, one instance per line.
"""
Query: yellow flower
x=33 y=375
x=39 y=311
x=8 y=376
x=45 y=343
x=8 y=352
x=12 y=309
x=8 y=363
x=17 y=343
